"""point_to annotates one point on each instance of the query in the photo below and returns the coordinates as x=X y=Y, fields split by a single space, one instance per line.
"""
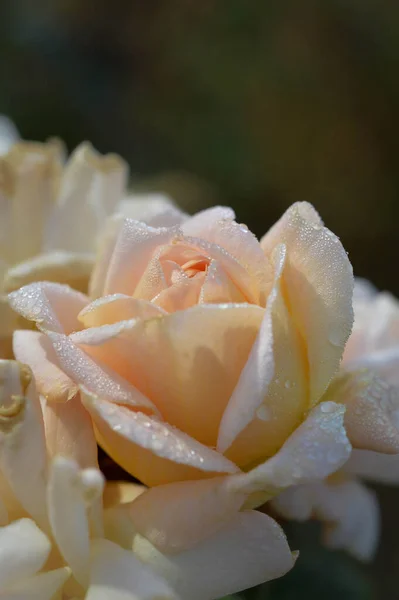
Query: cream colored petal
x=134 y=247
x=90 y=189
x=157 y=210
x=29 y=176
x=318 y=285
x=187 y=362
x=150 y=449
x=316 y=449
x=22 y=443
x=117 y=493
x=23 y=551
x=272 y=393
x=374 y=466
x=181 y=295
x=117 y=307
x=42 y=586
x=70 y=494
x=8 y=134
x=218 y=287
x=59 y=267
x=348 y=509
x=217 y=225
x=50 y=305
x=105 y=248
x=152 y=281
x=69 y=432
x=117 y=574
x=35 y=349
x=372 y=410
x=101 y=380
x=177 y=516
x=249 y=550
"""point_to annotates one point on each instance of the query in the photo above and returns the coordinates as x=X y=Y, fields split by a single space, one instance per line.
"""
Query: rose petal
x=117 y=574
x=35 y=349
x=374 y=466
x=249 y=550
x=70 y=492
x=156 y=210
x=349 y=510
x=40 y=587
x=23 y=551
x=372 y=410
x=318 y=285
x=50 y=305
x=218 y=287
x=176 y=516
x=187 y=362
x=271 y=394
x=106 y=245
x=22 y=444
x=154 y=451
x=115 y=308
x=183 y=294
x=316 y=449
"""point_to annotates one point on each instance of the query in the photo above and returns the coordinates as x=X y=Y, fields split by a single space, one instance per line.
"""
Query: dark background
x=254 y=103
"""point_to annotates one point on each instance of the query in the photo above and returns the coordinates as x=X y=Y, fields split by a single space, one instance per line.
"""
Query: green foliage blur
x=253 y=103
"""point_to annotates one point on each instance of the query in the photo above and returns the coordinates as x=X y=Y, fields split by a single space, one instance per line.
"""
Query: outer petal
x=69 y=432
x=50 y=305
x=60 y=267
x=318 y=283
x=43 y=586
x=349 y=510
x=149 y=449
x=91 y=187
x=177 y=516
x=374 y=466
x=315 y=450
x=35 y=349
x=187 y=362
x=117 y=574
x=156 y=210
x=248 y=551
x=22 y=443
x=115 y=308
x=372 y=413
x=8 y=134
x=23 y=551
x=271 y=394
x=70 y=493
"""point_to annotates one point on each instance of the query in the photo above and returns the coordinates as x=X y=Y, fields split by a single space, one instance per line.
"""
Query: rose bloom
x=51 y=214
x=368 y=384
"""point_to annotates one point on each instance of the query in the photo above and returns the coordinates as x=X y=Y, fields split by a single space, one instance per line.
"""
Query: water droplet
x=264 y=413
x=287 y=384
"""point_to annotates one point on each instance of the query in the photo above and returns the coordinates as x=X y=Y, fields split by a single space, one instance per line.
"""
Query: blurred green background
x=254 y=103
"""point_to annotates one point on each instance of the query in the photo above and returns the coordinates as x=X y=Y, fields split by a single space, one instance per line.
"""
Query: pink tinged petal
x=70 y=494
x=106 y=246
x=374 y=466
x=157 y=210
x=50 y=305
x=272 y=393
x=43 y=586
x=154 y=451
x=23 y=551
x=217 y=226
x=218 y=287
x=372 y=410
x=181 y=295
x=117 y=307
x=36 y=350
x=97 y=377
x=69 y=432
x=249 y=550
x=318 y=284
x=349 y=511
x=152 y=281
x=187 y=363
x=316 y=449
x=134 y=248
x=116 y=573
x=22 y=444
x=177 y=516
x=90 y=189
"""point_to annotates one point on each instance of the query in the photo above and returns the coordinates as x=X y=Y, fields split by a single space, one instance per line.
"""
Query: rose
x=206 y=352
x=51 y=214
x=368 y=385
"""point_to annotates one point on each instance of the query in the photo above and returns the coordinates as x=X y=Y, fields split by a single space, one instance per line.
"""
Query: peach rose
x=368 y=385
x=202 y=357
